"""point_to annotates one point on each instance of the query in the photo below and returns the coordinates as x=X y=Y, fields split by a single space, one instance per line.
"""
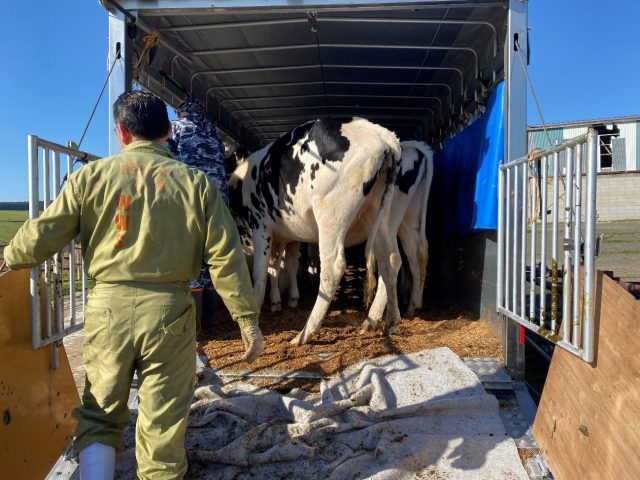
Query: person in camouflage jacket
x=195 y=142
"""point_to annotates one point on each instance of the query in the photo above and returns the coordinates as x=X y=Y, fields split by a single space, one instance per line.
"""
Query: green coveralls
x=146 y=223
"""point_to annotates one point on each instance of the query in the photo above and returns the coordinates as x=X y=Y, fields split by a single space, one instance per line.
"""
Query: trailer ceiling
x=264 y=67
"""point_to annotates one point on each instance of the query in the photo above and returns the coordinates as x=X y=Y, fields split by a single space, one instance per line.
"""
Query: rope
x=315 y=25
x=533 y=93
x=95 y=106
x=86 y=127
x=150 y=41
x=533 y=200
x=544 y=126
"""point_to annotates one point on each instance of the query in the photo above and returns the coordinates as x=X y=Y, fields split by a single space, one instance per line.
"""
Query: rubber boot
x=97 y=462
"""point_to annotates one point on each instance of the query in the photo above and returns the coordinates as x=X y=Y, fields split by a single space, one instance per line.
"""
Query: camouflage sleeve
x=228 y=267
x=174 y=139
x=41 y=237
x=202 y=150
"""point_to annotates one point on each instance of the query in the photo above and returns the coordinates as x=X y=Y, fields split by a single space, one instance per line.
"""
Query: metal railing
x=53 y=307
x=529 y=209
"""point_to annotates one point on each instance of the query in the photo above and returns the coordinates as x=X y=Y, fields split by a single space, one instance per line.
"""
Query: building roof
x=589 y=122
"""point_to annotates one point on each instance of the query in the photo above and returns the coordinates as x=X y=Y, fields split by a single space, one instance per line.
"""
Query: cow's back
x=325 y=164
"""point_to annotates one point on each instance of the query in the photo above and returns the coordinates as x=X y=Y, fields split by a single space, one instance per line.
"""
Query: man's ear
x=167 y=135
x=124 y=136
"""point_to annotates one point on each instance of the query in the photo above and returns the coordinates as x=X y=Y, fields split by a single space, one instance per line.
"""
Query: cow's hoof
x=293 y=303
x=276 y=307
x=392 y=330
x=366 y=327
x=411 y=311
x=298 y=340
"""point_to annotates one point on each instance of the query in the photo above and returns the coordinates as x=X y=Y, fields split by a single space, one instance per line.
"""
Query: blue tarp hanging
x=465 y=182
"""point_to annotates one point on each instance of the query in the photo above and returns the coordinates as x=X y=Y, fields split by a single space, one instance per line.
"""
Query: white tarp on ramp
x=418 y=416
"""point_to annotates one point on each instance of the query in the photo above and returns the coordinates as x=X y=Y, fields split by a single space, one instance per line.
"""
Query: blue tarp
x=465 y=182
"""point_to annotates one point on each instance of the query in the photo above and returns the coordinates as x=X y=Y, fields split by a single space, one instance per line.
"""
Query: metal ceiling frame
x=325 y=107
x=277 y=48
x=329 y=82
x=325 y=95
x=285 y=68
x=299 y=84
x=284 y=119
x=289 y=21
x=482 y=43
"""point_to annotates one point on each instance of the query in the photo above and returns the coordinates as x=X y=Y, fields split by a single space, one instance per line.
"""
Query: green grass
x=78 y=286
x=10 y=222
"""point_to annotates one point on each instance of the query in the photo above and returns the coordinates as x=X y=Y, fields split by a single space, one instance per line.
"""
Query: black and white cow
x=327 y=182
x=408 y=218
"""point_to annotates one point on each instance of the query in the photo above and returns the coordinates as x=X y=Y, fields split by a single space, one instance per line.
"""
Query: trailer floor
x=339 y=343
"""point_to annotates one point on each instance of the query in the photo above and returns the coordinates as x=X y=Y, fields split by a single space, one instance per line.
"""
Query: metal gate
x=53 y=307
x=545 y=290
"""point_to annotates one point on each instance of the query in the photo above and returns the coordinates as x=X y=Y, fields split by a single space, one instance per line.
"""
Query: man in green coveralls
x=146 y=222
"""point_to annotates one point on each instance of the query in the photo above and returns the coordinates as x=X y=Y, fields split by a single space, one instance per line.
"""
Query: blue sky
x=584 y=64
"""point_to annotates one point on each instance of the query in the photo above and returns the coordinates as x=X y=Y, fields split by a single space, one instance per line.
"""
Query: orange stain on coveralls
x=121 y=219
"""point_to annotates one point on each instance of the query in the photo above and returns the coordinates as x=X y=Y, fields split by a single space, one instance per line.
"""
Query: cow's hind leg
x=261 y=256
x=415 y=252
x=291 y=260
x=377 y=308
x=274 y=275
x=332 y=267
x=389 y=263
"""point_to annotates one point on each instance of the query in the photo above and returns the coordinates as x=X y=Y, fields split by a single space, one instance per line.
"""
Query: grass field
x=10 y=221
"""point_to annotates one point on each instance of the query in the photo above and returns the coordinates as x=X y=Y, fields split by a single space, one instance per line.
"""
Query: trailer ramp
x=394 y=417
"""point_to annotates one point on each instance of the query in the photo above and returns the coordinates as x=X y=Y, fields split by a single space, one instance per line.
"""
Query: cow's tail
x=423 y=250
x=428 y=155
x=390 y=169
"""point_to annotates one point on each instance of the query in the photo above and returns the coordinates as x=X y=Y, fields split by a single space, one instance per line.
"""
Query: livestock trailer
x=450 y=73
x=424 y=70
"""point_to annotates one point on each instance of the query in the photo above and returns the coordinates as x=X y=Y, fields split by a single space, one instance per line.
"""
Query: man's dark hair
x=142 y=113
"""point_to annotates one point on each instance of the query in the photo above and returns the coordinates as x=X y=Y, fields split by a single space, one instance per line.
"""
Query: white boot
x=97 y=462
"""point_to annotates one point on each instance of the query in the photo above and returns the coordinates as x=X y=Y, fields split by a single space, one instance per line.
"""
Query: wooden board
x=588 y=420
x=35 y=401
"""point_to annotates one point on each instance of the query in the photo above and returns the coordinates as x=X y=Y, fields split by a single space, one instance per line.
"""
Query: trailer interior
x=424 y=70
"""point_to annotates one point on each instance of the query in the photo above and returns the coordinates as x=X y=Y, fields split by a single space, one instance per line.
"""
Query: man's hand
x=252 y=339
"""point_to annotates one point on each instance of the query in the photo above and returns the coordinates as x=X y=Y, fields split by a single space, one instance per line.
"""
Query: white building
x=618 y=161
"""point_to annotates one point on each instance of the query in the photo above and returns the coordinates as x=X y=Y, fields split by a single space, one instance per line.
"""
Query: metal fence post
x=589 y=246
x=34 y=211
x=577 y=240
x=500 y=273
x=515 y=142
x=568 y=258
